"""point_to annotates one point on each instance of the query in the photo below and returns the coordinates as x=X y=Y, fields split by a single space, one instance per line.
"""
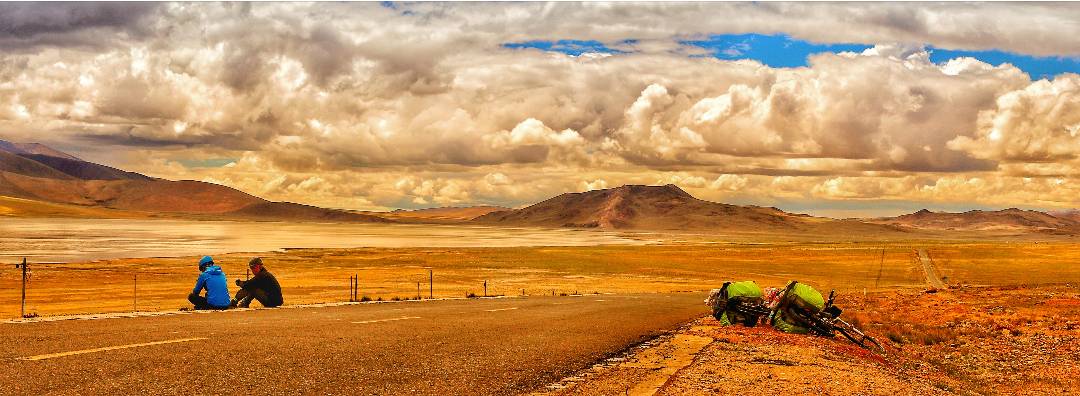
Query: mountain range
x=37 y=180
x=654 y=208
x=1011 y=219
x=34 y=172
x=670 y=208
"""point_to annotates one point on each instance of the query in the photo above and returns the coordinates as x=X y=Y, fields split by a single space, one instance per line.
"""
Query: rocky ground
x=1010 y=340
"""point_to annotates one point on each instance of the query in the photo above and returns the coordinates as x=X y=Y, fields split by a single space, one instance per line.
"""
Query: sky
x=837 y=109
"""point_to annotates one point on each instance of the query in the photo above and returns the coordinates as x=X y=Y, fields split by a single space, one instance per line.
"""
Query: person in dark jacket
x=216 y=284
x=262 y=286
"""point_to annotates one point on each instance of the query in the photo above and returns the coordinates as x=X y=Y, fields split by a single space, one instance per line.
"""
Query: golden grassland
x=322 y=275
x=19 y=207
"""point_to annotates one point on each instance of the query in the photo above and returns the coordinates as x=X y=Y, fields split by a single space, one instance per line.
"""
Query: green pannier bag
x=732 y=293
x=798 y=303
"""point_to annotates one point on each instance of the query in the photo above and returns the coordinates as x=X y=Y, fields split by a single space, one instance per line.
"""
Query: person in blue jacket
x=213 y=280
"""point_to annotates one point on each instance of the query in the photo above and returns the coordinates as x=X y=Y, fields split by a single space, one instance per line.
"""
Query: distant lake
x=73 y=240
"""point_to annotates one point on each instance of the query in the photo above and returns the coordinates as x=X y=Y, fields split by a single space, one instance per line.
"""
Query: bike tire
x=864 y=341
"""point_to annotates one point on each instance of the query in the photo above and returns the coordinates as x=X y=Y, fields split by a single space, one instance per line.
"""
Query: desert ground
x=1006 y=340
x=322 y=275
x=1006 y=323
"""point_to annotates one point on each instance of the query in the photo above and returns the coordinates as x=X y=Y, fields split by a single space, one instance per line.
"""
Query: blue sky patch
x=569 y=47
x=773 y=50
x=781 y=50
x=1037 y=67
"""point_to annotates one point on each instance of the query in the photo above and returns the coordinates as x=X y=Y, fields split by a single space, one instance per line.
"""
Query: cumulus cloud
x=885 y=106
x=1039 y=123
x=360 y=105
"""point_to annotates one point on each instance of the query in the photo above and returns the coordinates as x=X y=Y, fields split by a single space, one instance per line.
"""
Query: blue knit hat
x=205 y=262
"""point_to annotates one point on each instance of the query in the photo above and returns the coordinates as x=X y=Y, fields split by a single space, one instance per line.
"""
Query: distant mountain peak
x=647 y=207
x=70 y=165
x=35 y=149
x=637 y=189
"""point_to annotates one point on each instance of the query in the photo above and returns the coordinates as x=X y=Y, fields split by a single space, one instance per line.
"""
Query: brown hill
x=1011 y=219
x=447 y=215
x=1071 y=214
x=293 y=211
x=664 y=208
x=150 y=195
x=34 y=148
x=14 y=163
x=41 y=176
x=80 y=169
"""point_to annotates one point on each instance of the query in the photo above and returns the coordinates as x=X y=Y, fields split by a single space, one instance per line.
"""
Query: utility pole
x=22 y=311
x=135 y=294
x=485 y=288
x=417 y=290
x=431 y=284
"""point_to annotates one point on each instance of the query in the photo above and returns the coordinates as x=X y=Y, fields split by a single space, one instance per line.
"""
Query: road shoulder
x=704 y=358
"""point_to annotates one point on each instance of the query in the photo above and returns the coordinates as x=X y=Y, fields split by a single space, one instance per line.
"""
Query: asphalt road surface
x=488 y=346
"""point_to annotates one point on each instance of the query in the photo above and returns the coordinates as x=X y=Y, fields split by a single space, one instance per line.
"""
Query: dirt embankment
x=974 y=341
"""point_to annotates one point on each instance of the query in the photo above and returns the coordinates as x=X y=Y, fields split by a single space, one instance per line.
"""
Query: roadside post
x=135 y=294
x=485 y=288
x=352 y=288
x=417 y=290
x=431 y=285
x=354 y=285
x=22 y=309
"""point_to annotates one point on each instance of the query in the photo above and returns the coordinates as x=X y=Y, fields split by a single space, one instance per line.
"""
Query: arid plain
x=964 y=303
x=1013 y=301
x=676 y=263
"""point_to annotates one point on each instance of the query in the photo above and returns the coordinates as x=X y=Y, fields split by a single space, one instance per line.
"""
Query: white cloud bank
x=370 y=107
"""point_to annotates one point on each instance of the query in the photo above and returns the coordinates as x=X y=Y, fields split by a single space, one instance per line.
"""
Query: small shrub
x=470 y=295
x=378 y=299
x=365 y=299
x=396 y=298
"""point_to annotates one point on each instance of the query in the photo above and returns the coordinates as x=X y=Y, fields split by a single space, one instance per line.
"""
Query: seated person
x=263 y=286
x=213 y=280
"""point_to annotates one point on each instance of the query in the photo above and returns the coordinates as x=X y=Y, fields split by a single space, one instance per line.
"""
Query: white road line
x=501 y=309
x=112 y=348
x=387 y=320
x=601 y=300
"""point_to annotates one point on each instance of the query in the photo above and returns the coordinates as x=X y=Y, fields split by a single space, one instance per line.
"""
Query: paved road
x=928 y=268
x=491 y=347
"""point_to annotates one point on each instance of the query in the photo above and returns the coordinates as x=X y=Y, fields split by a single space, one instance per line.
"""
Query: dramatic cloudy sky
x=834 y=109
